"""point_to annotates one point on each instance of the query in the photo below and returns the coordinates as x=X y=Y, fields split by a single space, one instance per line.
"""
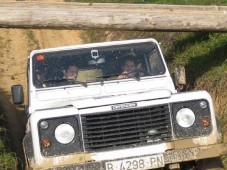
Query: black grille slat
x=122 y=124
x=115 y=144
x=123 y=138
x=123 y=119
x=127 y=113
x=118 y=129
x=126 y=128
x=117 y=133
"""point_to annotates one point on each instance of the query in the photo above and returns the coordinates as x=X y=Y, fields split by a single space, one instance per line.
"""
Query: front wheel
x=210 y=164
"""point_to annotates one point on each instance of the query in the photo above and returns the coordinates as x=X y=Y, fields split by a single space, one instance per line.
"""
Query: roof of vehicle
x=89 y=45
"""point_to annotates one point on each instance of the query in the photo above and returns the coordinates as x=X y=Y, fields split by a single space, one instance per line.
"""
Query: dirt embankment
x=15 y=46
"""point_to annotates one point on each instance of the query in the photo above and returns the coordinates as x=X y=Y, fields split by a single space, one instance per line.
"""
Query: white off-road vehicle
x=115 y=119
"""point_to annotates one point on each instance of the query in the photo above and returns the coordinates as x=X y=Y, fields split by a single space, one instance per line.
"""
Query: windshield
x=96 y=64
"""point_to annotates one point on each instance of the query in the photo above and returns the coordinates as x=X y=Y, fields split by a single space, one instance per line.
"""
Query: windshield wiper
x=66 y=81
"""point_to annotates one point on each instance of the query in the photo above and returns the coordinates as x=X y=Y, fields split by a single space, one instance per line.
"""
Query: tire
x=210 y=164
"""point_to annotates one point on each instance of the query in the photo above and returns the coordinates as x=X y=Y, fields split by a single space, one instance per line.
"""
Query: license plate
x=142 y=163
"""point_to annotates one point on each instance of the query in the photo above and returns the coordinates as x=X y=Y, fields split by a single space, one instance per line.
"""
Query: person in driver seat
x=39 y=77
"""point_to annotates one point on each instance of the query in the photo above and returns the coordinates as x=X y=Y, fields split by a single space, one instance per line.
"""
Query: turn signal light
x=205 y=121
x=46 y=143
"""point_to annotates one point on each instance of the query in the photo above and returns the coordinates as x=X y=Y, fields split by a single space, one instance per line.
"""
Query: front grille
x=126 y=128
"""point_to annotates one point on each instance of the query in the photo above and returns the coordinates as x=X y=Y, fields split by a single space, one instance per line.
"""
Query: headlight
x=185 y=117
x=64 y=133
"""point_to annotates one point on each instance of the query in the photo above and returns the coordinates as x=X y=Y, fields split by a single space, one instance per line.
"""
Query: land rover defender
x=106 y=121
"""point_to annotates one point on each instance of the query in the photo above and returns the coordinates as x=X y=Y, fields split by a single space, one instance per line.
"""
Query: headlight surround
x=63 y=136
x=64 y=133
x=185 y=117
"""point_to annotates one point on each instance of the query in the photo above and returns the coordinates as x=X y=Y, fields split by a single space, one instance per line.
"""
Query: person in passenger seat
x=129 y=65
x=71 y=73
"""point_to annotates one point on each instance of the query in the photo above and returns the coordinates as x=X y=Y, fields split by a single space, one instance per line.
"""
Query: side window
x=155 y=63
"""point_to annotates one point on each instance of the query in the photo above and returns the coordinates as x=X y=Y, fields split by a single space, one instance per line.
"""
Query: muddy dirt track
x=15 y=46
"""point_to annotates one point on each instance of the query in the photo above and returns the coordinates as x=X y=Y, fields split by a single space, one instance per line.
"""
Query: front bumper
x=171 y=156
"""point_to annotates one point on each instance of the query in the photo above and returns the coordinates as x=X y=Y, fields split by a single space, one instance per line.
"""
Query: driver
x=40 y=75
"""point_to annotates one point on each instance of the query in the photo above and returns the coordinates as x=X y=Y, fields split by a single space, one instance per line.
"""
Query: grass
x=200 y=54
x=8 y=159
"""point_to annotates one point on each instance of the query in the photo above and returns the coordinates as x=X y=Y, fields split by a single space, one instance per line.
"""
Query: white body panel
x=108 y=155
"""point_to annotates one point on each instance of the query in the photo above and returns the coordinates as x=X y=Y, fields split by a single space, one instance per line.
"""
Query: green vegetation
x=203 y=55
x=7 y=159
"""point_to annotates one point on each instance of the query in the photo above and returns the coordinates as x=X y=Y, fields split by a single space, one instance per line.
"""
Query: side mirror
x=17 y=94
x=180 y=78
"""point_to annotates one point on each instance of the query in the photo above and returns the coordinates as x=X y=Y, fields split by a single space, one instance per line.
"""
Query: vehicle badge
x=124 y=106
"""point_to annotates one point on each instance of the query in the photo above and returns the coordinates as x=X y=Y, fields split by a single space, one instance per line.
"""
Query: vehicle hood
x=99 y=95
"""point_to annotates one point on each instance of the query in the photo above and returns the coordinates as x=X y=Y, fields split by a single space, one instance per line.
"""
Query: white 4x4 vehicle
x=112 y=119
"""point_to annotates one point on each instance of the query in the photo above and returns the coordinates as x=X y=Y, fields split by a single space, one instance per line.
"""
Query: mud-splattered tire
x=210 y=164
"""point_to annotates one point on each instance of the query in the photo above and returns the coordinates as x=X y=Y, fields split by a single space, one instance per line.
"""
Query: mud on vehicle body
x=113 y=119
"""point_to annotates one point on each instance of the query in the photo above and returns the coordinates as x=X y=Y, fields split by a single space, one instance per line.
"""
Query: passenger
x=71 y=73
x=129 y=65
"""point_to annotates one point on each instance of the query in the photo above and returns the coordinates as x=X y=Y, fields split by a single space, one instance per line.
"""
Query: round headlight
x=64 y=133
x=185 y=117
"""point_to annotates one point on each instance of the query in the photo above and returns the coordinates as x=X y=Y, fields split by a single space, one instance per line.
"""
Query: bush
x=8 y=159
